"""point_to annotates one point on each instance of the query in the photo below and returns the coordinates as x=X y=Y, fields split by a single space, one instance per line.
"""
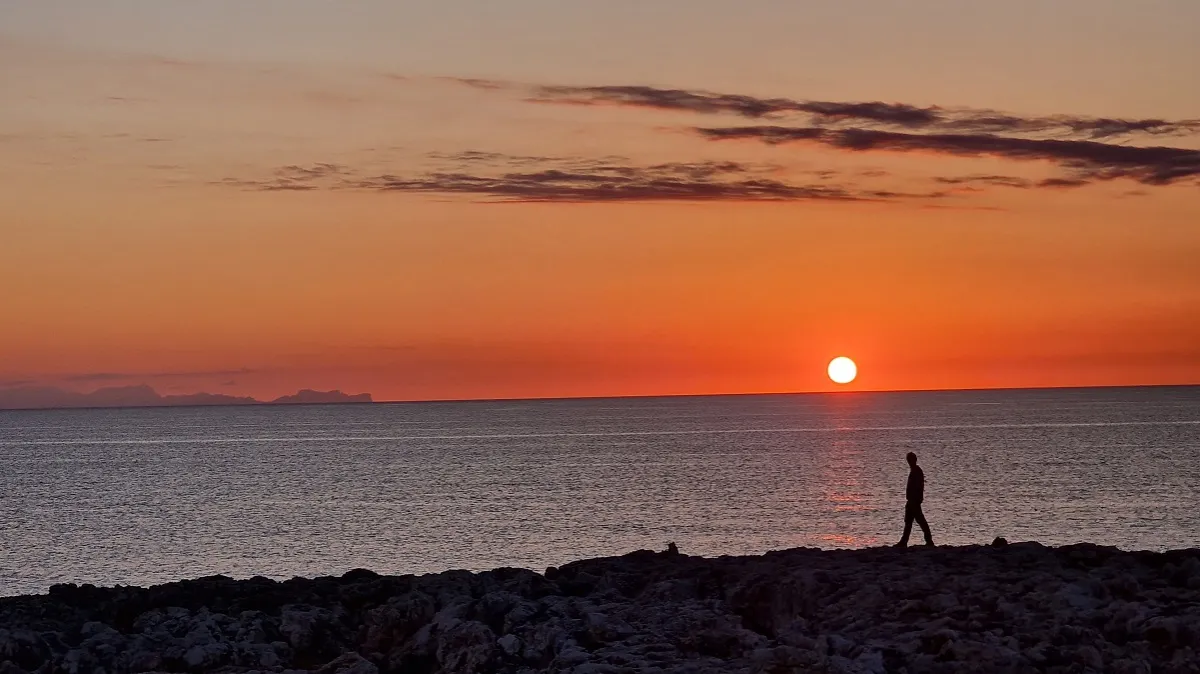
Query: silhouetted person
x=915 y=493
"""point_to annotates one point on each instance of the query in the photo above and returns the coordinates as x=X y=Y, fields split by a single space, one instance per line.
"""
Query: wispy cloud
x=663 y=182
x=95 y=377
x=975 y=181
x=480 y=157
x=989 y=180
x=1085 y=160
x=480 y=83
x=12 y=383
x=873 y=114
x=294 y=178
x=506 y=178
x=1089 y=149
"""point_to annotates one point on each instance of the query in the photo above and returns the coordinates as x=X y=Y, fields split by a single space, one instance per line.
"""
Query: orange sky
x=145 y=239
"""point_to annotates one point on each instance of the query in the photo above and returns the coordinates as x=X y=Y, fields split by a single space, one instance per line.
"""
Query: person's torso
x=916 y=485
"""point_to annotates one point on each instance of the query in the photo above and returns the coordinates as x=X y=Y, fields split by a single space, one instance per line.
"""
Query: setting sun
x=842 y=370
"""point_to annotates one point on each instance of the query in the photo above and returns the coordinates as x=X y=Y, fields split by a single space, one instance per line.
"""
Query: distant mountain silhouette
x=48 y=397
x=311 y=397
x=209 y=399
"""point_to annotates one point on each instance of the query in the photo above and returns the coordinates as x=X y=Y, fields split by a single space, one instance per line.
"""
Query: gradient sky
x=463 y=199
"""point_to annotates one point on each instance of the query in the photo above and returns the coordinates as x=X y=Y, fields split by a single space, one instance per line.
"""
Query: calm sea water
x=154 y=495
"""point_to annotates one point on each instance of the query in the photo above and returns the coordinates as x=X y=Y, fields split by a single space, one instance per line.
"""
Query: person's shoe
x=929 y=544
x=901 y=545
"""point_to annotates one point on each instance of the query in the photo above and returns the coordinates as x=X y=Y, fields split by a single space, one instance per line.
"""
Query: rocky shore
x=1002 y=608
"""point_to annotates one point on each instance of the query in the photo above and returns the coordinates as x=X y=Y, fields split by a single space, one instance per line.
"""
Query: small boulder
x=510 y=644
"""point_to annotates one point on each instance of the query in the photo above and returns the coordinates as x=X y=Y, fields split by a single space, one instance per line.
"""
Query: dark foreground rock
x=1010 y=608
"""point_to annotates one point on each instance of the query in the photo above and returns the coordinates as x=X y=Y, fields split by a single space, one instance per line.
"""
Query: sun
x=842 y=370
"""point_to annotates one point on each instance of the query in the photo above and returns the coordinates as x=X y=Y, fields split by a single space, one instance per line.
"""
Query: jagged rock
x=393 y=623
x=349 y=663
x=23 y=648
x=979 y=609
x=466 y=648
x=510 y=644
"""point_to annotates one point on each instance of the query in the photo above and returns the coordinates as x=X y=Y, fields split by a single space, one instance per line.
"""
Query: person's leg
x=920 y=517
x=908 y=521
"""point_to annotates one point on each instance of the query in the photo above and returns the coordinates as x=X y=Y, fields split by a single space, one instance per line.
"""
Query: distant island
x=49 y=397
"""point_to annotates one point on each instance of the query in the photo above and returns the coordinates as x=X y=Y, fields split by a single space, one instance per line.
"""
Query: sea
x=147 y=496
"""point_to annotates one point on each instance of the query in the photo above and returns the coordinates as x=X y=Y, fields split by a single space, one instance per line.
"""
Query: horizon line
x=636 y=396
x=417 y=401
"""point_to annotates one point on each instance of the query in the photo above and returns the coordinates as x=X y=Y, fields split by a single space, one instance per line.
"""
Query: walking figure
x=915 y=493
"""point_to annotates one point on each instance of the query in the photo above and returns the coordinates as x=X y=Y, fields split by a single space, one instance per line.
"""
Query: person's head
x=912 y=459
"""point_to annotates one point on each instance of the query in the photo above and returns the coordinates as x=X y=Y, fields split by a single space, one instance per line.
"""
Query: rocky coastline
x=1000 y=608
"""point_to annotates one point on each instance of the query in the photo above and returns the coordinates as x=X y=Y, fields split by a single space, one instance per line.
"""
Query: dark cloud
x=872 y=173
x=507 y=178
x=665 y=99
x=873 y=114
x=699 y=181
x=1065 y=183
x=1086 y=160
x=991 y=181
x=499 y=158
x=1093 y=128
x=975 y=181
x=309 y=172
